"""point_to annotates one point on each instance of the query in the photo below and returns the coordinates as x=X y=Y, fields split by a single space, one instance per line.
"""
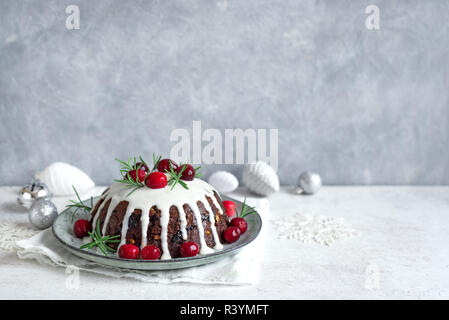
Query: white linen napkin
x=239 y=269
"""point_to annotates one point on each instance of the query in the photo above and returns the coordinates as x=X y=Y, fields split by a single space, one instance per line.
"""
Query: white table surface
x=404 y=240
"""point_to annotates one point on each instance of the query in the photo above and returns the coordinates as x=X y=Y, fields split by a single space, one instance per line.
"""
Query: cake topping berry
x=230 y=207
x=187 y=172
x=231 y=234
x=142 y=166
x=128 y=251
x=156 y=180
x=164 y=164
x=150 y=253
x=189 y=249
x=240 y=223
x=239 y=220
x=81 y=228
x=131 y=177
x=141 y=174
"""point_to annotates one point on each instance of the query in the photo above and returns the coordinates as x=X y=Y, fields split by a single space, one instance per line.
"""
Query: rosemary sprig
x=155 y=161
x=131 y=164
x=101 y=242
x=79 y=205
x=125 y=168
x=243 y=213
x=131 y=183
x=142 y=163
x=175 y=177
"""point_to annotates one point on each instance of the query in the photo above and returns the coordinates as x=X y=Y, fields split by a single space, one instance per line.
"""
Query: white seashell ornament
x=260 y=178
x=60 y=176
x=223 y=181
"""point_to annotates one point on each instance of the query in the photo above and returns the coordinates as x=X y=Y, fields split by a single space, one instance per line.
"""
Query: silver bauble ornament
x=42 y=213
x=309 y=182
x=31 y=192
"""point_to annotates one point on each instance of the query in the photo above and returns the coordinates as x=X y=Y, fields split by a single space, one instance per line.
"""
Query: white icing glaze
x=144 y=198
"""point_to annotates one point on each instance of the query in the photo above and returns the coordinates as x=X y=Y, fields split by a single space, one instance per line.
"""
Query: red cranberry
x=189 y=249
x=164 y=164
x=156 y=180
x=150 y=253
x=81 y=227
x=142 y=166
x=239 y=223
x=188 y=172
x=128 y=251
x=142 y=174
x=230 y=207
x=231 y=234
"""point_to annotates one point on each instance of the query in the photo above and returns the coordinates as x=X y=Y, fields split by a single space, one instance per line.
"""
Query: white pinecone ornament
x=260 y=178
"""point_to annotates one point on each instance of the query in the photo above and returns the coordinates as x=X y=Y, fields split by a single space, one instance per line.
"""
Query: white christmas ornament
x=60 y=177
x=260 y=178
x=223 y=181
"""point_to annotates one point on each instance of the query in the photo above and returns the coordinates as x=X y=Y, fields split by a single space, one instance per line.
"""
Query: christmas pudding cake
x=162 y=212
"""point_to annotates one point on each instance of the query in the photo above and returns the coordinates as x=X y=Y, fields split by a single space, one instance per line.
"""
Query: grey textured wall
x=359 y=106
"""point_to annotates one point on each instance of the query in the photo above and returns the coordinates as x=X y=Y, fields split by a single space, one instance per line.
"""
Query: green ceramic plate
x=63 y=231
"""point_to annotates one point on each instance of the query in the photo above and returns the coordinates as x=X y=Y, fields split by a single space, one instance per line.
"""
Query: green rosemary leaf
x=124 y=164
x=101 y=242
x=155 y=161
x=182 y=183
x=183 y=168
x=78 y=205
x=110 y=249
x=143 y=161
x=89 y=245
x=101 y=247
x=76 y=192
x=126 y=178
x=175 y=177
x=248 y=213
x=114 y=241
x=244 y=211
x=97 y=229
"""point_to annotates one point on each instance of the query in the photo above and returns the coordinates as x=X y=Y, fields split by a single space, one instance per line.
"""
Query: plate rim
x=235 y=248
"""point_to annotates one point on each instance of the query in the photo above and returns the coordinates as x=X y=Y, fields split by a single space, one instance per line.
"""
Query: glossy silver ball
x=29 y=193
x=42 y=213
x=309 y=182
